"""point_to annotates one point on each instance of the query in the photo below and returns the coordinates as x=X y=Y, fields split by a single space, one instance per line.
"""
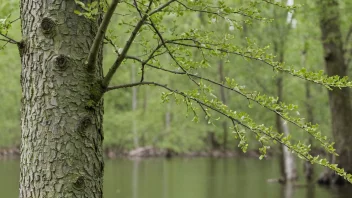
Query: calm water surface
x=185 y=178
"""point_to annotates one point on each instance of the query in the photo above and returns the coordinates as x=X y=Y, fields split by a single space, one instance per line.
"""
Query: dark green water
x=185 y=178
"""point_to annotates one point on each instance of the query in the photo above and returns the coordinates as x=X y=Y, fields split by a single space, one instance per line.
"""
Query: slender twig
x=245 y=56
x=10 y=40
x=5 y=40
x=140 y=14
x=168 y=50
x=2 y=47
x=122 y=56
x=15 y=20
x=161 y=7
x=216 y=13
x=151 y=56
x=129 y=85
x=138 y=10
x=100 y=36
x=111 y=42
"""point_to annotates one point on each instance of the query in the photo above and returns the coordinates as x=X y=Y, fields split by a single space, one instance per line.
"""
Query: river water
x=187 y=178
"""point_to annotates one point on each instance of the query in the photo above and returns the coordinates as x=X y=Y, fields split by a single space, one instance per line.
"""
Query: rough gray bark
x=339 y=99
x=61 y=150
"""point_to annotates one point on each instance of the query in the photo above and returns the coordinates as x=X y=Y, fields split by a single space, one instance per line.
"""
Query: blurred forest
x=138 y=117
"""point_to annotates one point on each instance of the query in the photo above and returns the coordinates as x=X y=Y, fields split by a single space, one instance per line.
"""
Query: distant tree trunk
x=134 y=107
x=339 y=99
x=168 y=118
x=223 y=99
x=211 y=138
x=61 y=150
x=212 y=141
x=287 y=161
x=308 y=167
x=142 y=141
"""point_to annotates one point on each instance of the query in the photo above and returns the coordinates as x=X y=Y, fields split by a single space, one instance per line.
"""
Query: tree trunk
x=61 y=150
x=308 y=167
x=168 y=118
x=134 y=108
x=288 y=157
x=287 y=161
x=223 y=99
x=339 y=99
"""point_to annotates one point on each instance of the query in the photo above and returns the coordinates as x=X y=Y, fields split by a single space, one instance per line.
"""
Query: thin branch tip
x=8 y=39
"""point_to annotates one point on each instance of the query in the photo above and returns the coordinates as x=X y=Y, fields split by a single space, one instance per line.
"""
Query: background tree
x=339 y=99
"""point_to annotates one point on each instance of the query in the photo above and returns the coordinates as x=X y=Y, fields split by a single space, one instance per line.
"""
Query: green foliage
x=9 y=75
x=90 y=10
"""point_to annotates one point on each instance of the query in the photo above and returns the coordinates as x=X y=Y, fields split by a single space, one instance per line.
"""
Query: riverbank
x=148 y=151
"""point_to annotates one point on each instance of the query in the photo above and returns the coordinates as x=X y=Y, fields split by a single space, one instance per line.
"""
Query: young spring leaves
x=158 y=39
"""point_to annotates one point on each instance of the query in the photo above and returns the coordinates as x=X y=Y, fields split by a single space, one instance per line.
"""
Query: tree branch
x=93 y=53
x=216 y=13
x=122 y=56
x=307 y=156
x=249 y=97
x=161 y=7
x=275 y=65
x=168 y=50
x=130 y=85
x=8 y=39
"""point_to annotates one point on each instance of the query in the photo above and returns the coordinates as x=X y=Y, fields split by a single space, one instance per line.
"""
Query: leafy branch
x=223 y=11
x=260 y=55
x=245 y=121
x=267 y=102
x=122 y=56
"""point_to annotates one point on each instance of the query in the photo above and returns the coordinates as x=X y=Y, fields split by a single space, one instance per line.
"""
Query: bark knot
x=21 y=47
x=83 y=124
x=47 y=25
x=79 y=183
x=61 y=62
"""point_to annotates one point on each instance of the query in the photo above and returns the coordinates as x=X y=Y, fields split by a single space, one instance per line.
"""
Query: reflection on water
x=187 y=178
x=287 y=190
